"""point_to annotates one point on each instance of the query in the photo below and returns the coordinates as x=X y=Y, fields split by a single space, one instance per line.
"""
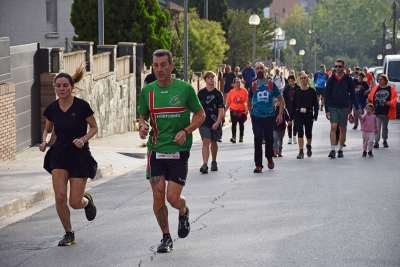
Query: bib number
x=167 y=155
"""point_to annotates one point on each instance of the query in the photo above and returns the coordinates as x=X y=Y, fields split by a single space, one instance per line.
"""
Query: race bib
x=168 y=155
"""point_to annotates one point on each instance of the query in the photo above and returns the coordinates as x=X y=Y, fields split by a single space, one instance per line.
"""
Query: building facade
x=280 y=8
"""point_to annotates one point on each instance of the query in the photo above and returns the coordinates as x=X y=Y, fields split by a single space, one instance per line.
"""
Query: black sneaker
x=332 y=154
x=300 y=155
x=219 y=140
x=355 y=127
x=370 y=153
x=68 y=239
x=233 y=140
x=376 y=145
x=258 y=169
x=204 y=168
x=385 y=144
x=241 y=139
x=309 y=152
x=214 y=166
x=184 y=224
x=166 y=245
x=364 y=154
x=340 y=154
x=90 y=209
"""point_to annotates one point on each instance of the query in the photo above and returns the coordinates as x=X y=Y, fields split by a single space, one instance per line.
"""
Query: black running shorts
x=175 y=170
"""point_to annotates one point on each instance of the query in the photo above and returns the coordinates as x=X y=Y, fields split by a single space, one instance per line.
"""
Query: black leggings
x=235 y=120
x=303 y=121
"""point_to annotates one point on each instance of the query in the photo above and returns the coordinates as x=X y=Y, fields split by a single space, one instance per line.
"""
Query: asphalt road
x=311 y=212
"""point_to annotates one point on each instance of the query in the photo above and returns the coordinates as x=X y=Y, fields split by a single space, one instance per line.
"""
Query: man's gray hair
x=163 y=52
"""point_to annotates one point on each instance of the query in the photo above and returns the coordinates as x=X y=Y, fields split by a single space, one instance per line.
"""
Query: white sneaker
x=294 y=140
x=289 y=141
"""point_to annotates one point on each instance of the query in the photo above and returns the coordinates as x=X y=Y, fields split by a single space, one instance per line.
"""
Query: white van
x=391 y=67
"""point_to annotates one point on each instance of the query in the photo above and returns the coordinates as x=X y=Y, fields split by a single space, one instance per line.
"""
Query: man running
x=262 y=111
x=339 y=91
x=166 y=104
x=320 y=79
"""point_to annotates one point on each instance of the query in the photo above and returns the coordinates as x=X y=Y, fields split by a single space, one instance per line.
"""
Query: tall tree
x=140 y=21
x=254 y=5
x=240 y=38
x=217 y=11
x=206 y=41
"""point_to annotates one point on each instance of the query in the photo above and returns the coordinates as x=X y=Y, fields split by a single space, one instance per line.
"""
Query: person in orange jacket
x=384 y=98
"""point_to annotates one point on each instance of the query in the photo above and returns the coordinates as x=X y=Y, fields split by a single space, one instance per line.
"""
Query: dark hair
x=361 y=74
x=291 y=77
x=75 y=78
x=163 y=52
x=339 y=60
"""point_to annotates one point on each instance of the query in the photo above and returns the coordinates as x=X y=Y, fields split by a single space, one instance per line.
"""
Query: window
x=283 y=10
x=51 y=16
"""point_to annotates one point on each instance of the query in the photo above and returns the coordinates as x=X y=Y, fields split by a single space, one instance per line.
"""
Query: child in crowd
x=279 y=129
x=369 y=128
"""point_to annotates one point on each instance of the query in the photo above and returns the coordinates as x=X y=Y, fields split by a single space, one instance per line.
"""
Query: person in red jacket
x=384 y=99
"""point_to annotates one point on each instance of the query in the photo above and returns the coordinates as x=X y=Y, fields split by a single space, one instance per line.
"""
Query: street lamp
x=278 y=32
x=254 y=20
x=312 y=32
x=292 y=43
x=388 y=46
x=301 y=53
x=379 y=57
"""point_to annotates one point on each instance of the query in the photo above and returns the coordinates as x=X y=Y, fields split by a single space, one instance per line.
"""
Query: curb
x=31 y=199
x=25 y=202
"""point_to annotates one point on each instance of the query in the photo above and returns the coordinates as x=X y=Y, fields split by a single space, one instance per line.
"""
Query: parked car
x=391 y=67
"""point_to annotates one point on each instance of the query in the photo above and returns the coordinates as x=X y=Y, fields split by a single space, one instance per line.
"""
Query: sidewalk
x=24 y=183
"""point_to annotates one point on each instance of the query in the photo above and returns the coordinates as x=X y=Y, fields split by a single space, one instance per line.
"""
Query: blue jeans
x=263 y=128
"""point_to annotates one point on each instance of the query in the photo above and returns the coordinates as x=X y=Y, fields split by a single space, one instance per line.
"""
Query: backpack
x=270 y=85
x=347 y=77
x=280 y=77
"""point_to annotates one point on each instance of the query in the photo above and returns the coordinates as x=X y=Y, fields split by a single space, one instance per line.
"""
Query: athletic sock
x=333 y=148
x=340 y=148
x=167 y=236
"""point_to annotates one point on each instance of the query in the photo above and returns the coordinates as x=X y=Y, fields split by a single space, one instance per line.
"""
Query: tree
x=206 y=41
x=254 y=5
x=240 y=38
x=140 y=21
x=217 y=11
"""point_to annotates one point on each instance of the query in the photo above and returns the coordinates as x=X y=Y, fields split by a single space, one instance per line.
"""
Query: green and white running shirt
x=169 y=111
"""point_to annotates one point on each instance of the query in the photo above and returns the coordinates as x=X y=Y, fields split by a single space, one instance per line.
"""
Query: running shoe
x=280 y=154
x=90 y=209
x=370 y=153
x=300 y=155
x=233 y=140
x=241 y=139
x=166 y=245
x=275 y=154
x=385 y=144
x=294 y=140
x=376 y=145
x=355 y=127
x=219 y=140
x=214 y=166
x=332 y=154
x=258 y=169
x=204 y=168
x=184 y=224
x=271 y=164
x=289 y=141
x=68 y=239
x=340 y=154
x=364 y=154
x=309 y=152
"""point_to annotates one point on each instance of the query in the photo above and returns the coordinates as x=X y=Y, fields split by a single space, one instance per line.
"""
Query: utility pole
x=185 y=41
x=311 y=45
x=206 y=9
x=394 y=6
x=275 y=18
x=384 y=25
x=100 y=14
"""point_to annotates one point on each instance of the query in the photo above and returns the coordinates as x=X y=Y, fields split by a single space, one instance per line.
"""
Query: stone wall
x=7 y=122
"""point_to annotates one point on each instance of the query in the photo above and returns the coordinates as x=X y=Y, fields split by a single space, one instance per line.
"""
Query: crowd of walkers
x=169 y=111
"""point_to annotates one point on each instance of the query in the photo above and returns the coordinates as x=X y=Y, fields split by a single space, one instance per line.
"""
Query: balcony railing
x=122 y=66
x=101 y=63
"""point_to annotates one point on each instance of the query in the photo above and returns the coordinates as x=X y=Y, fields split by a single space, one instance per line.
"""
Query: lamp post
x=185 y=41
x=278 y=32
x=254 y=20
x=292 y=43
x=312 y=32
x=301 y=53
x=388 y=46
x=379 y=57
